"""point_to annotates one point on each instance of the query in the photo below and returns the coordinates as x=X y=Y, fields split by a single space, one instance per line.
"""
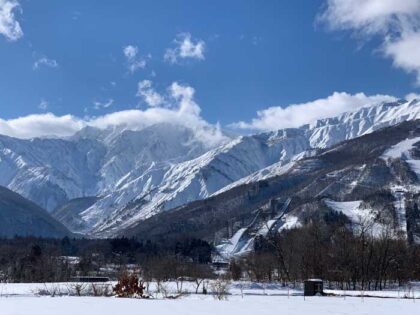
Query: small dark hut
x=313 y=287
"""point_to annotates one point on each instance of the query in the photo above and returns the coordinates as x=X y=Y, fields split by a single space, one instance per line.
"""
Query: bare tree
x=220 y=289
x=77 y=288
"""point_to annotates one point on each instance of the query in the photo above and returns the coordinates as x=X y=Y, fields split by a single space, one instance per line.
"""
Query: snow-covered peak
x=139 y=173
x=91 y=162
x=243 y=160
x=326 y=132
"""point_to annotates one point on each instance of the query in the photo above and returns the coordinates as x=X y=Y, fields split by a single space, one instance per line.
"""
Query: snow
x=239 y=244
x=401 y=149
x=351 y=209
x=236 y=305
x=263 y=231
x=228 y=246
x=415 y=166
x=243 y=160
x=242 y=242
x=364 y=216
x=276 y=169
x=141 y=173
x=290 y=222
x=245 y=298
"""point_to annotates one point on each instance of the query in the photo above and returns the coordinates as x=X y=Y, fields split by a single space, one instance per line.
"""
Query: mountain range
x=105 y=182
x=369 y=183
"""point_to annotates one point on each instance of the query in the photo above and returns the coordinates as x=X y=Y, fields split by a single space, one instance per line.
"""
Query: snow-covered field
x=251 y=305
x=245 y=298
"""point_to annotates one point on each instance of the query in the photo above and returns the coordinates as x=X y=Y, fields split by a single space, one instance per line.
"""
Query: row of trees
x=347 y=259
x=52 y=260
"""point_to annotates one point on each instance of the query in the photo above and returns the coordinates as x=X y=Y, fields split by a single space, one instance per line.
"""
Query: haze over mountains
x=121 y=177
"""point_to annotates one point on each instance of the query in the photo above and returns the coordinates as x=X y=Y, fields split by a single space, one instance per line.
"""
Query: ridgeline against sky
x=244 y=66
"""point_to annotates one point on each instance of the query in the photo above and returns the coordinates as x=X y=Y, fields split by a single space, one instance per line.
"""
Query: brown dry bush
x=129 y=286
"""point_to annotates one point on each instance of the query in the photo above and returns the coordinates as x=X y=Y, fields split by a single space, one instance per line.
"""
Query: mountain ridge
x=139 y=173
x=242 y=157
x=357 y=177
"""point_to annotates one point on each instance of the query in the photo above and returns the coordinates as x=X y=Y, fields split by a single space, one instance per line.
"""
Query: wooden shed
x=313 y=287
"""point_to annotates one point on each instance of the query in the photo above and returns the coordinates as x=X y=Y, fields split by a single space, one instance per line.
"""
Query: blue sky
x=241 y=57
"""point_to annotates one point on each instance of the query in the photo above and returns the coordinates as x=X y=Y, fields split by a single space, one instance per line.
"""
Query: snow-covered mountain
x=93 y=162
x=247 y=158
x=370 y=184
x=140 y=173
x=327 y=132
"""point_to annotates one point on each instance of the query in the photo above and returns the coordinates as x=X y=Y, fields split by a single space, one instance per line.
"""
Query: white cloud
x=405 y=52
x=40 y=125
x=296 y=115
x=130 y=52
x=134 y=62
x=184 y=95
x=43 y=105
x=185 y=47
x=370 y=16
x=396 y=22
x=412 y=96
x=101 y=105
x=180 y=108
x=9 y=26
x=149 y=95
x=44 y=61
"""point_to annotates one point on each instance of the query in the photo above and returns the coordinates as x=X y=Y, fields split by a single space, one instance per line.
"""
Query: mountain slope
x=372 y=177
x=93 y=162
x=140 y=173
x=244 y=159
x=19 y=216
x=69 y=213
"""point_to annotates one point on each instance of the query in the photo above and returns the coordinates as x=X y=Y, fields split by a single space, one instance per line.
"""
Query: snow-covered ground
x=402 y=150
x=206 y=305
x=242 y=243
x=360 y=216
x=351 y=209
x=245 y=298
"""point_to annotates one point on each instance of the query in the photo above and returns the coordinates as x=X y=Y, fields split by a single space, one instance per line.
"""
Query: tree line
x=345 y=258
x=29 y=259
